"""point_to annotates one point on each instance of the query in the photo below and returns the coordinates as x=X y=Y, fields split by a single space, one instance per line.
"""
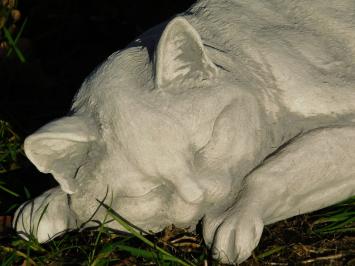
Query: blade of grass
x=339 y=230
x=337 y=227
x=27 y=193
x=40 y=217
x=98 y=237
x=28 y=244
x=9 y=191
x=270 y=251
x=17 y=36
x=335 y=218
x=136 y=252
x=13 y=44
x=11 y=208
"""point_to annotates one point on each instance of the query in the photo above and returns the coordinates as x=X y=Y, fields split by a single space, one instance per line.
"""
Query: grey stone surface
x=240 y=113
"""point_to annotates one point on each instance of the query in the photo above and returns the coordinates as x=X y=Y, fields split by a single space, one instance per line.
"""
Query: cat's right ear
x=60 y=148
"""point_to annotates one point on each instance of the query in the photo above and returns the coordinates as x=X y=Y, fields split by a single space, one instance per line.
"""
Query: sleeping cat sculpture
x=240 y=113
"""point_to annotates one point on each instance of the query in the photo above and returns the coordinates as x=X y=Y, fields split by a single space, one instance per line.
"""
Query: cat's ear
x=60 y=148
x=181 y=55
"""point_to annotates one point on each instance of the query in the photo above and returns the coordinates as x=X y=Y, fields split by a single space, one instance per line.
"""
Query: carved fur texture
x=240 y=113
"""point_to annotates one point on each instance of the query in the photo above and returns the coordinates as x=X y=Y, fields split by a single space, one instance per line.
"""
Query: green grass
x=7 y=26
x=99 y=246
x=13 y=42
x=336 y=219
x=10 y=152
x=324 y=237
x=104 y=246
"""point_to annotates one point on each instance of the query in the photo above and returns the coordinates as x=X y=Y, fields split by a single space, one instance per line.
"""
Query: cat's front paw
x=45 y=217
x=233 y=235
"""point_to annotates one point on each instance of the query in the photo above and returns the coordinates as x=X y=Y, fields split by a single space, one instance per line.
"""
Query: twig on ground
x=323 y=258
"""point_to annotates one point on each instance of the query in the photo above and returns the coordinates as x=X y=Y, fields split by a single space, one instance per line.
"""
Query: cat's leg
x=46 y=216
x=314 y=171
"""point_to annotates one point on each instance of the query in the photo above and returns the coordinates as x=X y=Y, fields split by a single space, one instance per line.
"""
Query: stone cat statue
x=240 y=113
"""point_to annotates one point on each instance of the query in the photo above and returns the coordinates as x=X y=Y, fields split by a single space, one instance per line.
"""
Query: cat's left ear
x=181 y=55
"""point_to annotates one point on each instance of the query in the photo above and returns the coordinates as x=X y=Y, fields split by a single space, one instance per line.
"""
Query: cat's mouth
x=146 y=193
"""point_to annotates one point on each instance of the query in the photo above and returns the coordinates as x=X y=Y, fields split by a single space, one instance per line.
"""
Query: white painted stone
x=187 y=122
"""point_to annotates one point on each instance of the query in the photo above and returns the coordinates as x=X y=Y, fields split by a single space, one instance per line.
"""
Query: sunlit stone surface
x=240 y=113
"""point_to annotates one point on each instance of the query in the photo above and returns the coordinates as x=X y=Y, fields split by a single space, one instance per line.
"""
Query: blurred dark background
x=63 y=41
